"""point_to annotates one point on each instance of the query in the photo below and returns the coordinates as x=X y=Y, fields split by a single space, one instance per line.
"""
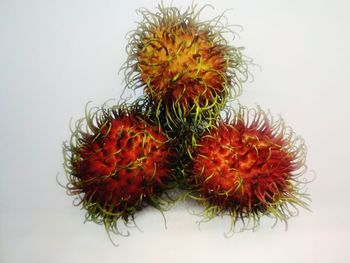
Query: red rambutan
x=117 y=164
x=185 y=66
x=248 y=166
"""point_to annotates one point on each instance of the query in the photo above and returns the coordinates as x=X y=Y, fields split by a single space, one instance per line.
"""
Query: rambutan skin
x=249 y=165
x=184 y=65
x=120 y=162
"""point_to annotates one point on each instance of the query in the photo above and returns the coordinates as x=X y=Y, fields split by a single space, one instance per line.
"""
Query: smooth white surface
x=57 y=55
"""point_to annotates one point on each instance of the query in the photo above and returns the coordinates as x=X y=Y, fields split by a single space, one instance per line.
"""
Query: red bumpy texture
x=243 y=165
x=127 y=161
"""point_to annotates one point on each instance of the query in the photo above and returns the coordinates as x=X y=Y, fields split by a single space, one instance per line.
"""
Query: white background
x=57 y=55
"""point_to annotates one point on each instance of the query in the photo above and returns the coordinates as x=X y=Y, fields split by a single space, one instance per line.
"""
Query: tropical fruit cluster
x=183 y=134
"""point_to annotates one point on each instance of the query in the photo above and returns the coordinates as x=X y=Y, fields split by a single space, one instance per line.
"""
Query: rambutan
x=249 y=165
x=117 y=164
x=185 y=66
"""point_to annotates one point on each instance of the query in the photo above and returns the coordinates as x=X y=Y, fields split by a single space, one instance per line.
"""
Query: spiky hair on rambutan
x=247 y=166
x=117 y=161
x=184 y=65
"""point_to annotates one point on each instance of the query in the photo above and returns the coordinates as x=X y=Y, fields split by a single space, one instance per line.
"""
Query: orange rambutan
x=249 y=165
x=185 y=66
x=116 y=165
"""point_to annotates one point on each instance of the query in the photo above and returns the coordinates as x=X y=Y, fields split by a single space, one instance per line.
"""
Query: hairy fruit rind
x=184 y=65
x=116 y=162
x=248 y=166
